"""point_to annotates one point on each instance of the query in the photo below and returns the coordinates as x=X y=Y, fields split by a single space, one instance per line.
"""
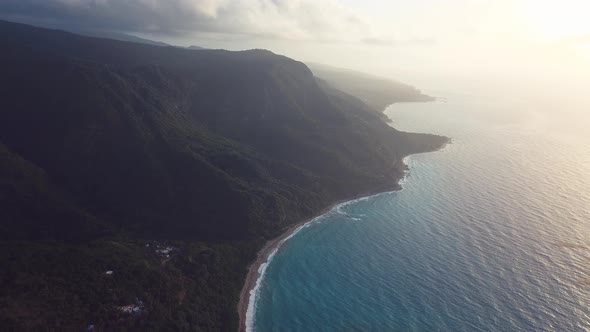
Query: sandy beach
x=261 y=258
x=272 y=245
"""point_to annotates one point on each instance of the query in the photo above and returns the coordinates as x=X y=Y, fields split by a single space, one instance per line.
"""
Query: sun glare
x=555 y=20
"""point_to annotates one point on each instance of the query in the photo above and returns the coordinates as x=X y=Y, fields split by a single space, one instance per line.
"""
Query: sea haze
x=490 y=234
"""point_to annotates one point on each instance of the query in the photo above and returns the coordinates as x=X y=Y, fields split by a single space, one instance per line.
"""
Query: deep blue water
x=490 y=234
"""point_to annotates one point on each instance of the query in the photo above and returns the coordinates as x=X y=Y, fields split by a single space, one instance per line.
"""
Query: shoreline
x=257 y=268
x=264 y=256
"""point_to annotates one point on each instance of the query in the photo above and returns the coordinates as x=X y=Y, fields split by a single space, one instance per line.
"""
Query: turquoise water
x=490 y=234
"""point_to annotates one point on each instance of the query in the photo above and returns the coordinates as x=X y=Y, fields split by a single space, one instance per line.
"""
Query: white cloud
x=285 y=19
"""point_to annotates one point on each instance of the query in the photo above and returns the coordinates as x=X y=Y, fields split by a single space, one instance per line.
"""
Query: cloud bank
x=285 y=19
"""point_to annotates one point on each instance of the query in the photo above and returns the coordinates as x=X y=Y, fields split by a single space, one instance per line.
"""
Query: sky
x=514 y=43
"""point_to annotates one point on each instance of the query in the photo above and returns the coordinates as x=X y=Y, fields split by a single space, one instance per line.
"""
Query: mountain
x=119 y=36
x=375 y=91
x=137 y=182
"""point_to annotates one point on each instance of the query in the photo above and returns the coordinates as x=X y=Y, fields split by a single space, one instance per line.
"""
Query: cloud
x=285 y=19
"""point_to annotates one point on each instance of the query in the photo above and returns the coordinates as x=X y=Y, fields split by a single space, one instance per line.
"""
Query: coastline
x=256 y=270
x=258 y=267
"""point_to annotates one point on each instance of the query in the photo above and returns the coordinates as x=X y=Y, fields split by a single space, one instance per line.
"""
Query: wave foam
x=255 y=292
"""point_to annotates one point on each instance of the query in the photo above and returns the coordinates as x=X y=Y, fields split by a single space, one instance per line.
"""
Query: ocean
x=491 y=233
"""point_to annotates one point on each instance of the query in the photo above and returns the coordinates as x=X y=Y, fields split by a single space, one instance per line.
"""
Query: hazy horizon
x=530 y=46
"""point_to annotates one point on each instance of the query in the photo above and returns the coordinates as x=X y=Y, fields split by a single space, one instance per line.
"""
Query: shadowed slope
x=147 y=143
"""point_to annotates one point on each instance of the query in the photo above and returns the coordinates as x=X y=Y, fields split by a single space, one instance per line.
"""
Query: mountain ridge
x=377 y=92
x=140 y=145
